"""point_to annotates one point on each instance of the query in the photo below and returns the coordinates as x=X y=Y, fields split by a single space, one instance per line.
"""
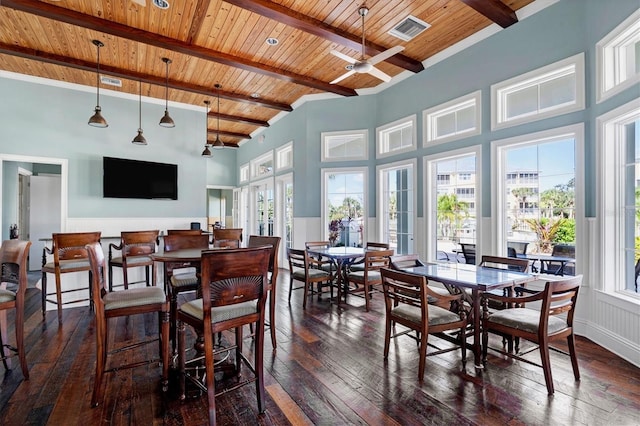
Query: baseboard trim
x=615 y=343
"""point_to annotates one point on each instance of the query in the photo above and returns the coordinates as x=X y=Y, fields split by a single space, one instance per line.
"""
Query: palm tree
x=545 y=230
x=450 y=212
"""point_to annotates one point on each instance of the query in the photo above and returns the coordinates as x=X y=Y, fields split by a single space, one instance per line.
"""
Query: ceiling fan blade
x=343 y=76
x=140 y=2
x=379 y=74
x=344 y=57
x=385 y=55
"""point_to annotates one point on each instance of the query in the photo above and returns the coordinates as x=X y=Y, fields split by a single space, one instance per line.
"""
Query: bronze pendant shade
x=97 y=120
x=207 y=152
x=166 y=120
x=139 y=139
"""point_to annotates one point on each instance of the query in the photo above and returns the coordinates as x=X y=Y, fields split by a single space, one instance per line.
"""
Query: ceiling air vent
x=110 y=81
x=409 y=28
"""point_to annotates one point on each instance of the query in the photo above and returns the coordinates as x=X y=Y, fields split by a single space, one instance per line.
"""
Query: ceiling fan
x=364 y=65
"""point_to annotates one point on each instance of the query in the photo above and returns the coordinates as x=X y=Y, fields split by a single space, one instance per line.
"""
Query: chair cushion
x=313 y=274
x=437 y=315
x=133 y=297
x=182 y=280
x=220 y=313
x=373 y=275
x=131 y=260
x=67 y=264
x=356 y=267
x=525 y=319
x=6 y=295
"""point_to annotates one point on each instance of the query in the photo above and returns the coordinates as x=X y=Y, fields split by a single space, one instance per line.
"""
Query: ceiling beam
x=65 y=61
x=318 y=28
x=230 y=134
x=243 y=120
x=198 y=18
x=50 y=11
x=495 y=10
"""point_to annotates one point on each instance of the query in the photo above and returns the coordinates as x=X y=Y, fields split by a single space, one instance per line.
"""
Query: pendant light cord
x=166 y=87
x=139 y=104
x=98 y=77
x=218 y=116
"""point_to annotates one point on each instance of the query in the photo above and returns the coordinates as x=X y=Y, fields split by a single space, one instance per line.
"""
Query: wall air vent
x=409 y=28
x=110 y=81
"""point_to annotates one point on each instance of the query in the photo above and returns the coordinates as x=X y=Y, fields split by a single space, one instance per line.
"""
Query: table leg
x=341 y=288
x=477 y=349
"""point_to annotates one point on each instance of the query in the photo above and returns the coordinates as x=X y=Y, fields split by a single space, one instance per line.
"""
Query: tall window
x=285 y=208
x=452 y=207
x=396 y=201
x=344 y=205
x=537 y=187
x=263 y=207
x=619 y=198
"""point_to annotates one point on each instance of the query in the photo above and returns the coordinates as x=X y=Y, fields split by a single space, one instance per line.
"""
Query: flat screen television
x=124 y=178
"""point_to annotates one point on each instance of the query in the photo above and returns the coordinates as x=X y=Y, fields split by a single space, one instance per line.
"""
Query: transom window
x=262 y=166
x=244 y=173
x=345 y=146
x=456 y=119
x=548 y=91
x=284 y=157
x=396 y=137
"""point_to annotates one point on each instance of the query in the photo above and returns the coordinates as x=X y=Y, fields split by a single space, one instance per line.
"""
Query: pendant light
x=97 y=120
x=218 y=144
x=207 y=151
x=139 y=139
x=166 y=120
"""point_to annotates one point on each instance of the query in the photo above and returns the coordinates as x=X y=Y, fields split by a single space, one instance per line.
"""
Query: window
x=546 y=92
x=619 y=198
x=285 y=209
x=284 y=157
x=344 y=146
x=396 y=201
x=263 y=207
x=543 y=205
x=618 y=58
x=262 y=166
x=244 y=173
x=344 y=205
x=452 y=208
x=456 y=119
x=396 y=137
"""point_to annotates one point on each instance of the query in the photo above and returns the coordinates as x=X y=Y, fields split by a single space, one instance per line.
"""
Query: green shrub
x=566 y=232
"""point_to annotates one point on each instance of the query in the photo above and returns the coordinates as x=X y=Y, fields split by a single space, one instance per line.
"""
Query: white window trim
x=392 y=126
x=269 y=183
x=498 y=147
x=610 y=132
x=525 y=80
x=428 y=116
x=259 y=160
x=405 y=164
x=365 y=204
x=246 y=167
x=323 y=148
x=286 y=147
x=606 y=66
x=430 y=207
x=280 y=231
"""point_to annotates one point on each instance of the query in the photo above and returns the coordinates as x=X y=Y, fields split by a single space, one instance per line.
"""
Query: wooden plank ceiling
x=224 y=42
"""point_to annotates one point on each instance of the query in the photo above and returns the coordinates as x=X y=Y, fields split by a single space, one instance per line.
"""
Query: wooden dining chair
x=406 y=298
x=307 y=269
x=323 y=263
x=358 y=265
x=13 y=271
x=365 y=280
x=234 y=292
x=538 y=326
x=124 y=303
x=135 y=248
x=469 y=253
x=184 y=232
x=69 y=255
x=187 y=277
x=227 y=237
x=403 y=261
x=274 y=242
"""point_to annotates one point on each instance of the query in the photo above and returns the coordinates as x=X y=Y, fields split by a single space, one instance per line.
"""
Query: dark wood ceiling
x=224 y=42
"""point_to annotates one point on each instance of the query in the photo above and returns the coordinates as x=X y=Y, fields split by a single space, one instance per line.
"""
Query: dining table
x=478 y=279
x=342 y=257
x=542 y=258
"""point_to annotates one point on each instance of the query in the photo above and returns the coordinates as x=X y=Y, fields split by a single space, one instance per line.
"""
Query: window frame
x=431 y=194
x=576 y=131
x=429 y=117
x=244 y=173
x=256 y=162
x=324 y=219
x=610 y=135
x=533 y=79
x=283 y=150
x=382 y=136
x=324 y=148
x=608 y=59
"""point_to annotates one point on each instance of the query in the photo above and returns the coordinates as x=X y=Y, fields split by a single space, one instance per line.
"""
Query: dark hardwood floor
x=328 y=370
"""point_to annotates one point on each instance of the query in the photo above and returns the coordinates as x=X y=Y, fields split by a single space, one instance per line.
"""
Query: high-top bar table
x=477 y=278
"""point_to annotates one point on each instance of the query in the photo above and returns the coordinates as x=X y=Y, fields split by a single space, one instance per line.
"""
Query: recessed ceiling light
x=348 y=67
x=271 y=41
x=255 y=95
x=162 y=4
